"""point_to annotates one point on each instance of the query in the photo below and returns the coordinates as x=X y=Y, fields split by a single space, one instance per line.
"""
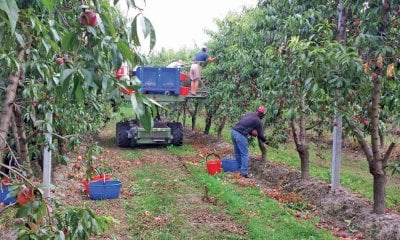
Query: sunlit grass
x=164 y=197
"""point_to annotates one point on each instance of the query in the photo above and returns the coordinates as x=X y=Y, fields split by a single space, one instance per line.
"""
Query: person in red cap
x=249 y=124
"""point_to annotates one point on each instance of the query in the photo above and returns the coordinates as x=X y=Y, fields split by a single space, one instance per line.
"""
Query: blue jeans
x=241 y=149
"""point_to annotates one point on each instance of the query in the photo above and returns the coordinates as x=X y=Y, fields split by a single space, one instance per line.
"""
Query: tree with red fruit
x=30 y=72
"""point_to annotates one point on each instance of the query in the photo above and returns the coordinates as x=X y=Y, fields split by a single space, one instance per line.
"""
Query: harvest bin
x=108 y=189
x=230 y=165
x=160 y=80
x=4 y=191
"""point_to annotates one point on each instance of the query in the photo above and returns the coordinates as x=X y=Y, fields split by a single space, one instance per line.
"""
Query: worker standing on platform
x=199 y=60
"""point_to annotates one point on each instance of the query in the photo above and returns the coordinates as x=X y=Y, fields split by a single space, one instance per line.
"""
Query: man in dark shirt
x=199 y=59
x=249 y=124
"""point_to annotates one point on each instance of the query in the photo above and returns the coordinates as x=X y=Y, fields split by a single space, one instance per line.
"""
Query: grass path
x=168 y=195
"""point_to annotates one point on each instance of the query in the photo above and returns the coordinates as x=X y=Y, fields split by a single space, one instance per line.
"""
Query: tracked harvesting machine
x=163 y=85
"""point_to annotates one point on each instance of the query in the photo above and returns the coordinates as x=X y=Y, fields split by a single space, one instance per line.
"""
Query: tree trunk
x=208 y=123
x=378 y=169
x=211 y=111
x=263 y=149
x=62 y=144
x=379 y=193
x=7 y=109
x=15 y=133
x=193 y=114
x=381 y=139
x=301 y=145
x=23 y=143
x=305 y=161
x=342 y=32
x=379 y=163
x=221 y=125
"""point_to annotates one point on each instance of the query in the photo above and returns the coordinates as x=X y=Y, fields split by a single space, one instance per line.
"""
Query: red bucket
x=214 y=165
x=183 y=76
x=184 y=91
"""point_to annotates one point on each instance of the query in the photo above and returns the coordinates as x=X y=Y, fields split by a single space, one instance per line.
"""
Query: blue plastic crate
x=4 y=191
x=230 y=165
x=108 y=189
x=160 y=80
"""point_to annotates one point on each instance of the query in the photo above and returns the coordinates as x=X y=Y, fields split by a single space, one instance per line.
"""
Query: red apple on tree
x=59 y=61
x=89 y=18
x=92 y=18
x=386 y=6
x=374 y=76
x=357 y=22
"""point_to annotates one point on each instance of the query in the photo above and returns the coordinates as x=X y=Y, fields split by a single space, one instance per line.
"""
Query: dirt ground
x=340 y=211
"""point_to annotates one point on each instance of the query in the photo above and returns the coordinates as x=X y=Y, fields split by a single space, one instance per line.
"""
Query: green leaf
x=56 y=37
x=70 y=41
x=146 y=119
x=127 y=53
x=66 y=74
x=46 y=45
x=24 y=210
x=78 y=92
x=88 y=76
x=116 y=57
x=12 y=10
x=38 y=68
x=135 y=106
x=49 y=4
x=134 y=31
x=42 y=210
x=151 y=31
x=20 y=39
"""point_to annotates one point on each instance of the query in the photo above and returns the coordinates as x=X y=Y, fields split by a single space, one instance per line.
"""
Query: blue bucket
x=4 y=191
x=230 y=165
x=108 y=189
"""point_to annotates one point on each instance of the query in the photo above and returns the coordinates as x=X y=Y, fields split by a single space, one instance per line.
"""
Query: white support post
x=47 y=157
x=336 y=152
x=337 y=128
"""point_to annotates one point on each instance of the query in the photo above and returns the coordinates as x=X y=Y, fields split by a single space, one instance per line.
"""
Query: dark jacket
x=248 y=123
